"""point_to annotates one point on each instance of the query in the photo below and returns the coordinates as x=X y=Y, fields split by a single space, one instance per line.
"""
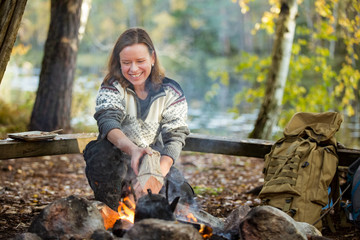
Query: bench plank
x=249 y=147
x=61 y=144
x=227 y=146
x=75 y=143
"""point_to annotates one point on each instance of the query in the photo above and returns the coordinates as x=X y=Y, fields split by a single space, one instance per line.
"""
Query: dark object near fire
x=155 y=206
x=118 y=229
x=205 y=231
x=105 y=177
x=102 y=235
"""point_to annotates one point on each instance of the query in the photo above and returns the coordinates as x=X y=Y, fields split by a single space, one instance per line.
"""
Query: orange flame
x=190 y=217
x=109 y=216
x=205 y=231
x=126 y=211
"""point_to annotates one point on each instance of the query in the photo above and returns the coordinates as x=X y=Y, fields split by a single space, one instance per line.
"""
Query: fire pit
x=151 y=206
x=77 y=218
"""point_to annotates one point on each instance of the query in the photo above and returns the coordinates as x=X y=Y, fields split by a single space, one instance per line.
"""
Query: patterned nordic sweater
x=161 y=126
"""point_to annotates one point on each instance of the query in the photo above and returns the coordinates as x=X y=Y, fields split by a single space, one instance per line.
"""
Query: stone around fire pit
x=232 y=222
x=68 y=218
x=266 y=222
x=149 y=229
x=27 y=236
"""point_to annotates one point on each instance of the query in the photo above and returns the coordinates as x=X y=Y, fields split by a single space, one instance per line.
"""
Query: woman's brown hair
x=128 y=38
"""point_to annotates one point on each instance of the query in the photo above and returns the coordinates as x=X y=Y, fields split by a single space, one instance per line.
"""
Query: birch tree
x=276 y=79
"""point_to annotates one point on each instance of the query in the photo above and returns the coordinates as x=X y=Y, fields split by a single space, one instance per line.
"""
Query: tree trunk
x=271 y=106
x=11 y=12
x=52 y=108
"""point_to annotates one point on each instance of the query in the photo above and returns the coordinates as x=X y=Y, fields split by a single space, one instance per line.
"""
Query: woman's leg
x=106 y=171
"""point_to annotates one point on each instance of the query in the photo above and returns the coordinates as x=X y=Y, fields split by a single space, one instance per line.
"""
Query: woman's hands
x=152 y=182
x=136 y=154
x=121 y=141
x=165 y=164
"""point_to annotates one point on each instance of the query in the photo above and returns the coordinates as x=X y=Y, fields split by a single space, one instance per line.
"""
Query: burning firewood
x=125 y=214
x=150 y=176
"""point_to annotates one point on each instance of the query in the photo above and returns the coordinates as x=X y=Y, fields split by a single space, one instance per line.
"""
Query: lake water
x=211 y=122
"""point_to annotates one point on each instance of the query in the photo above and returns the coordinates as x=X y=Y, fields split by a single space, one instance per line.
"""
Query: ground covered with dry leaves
x=28 y=185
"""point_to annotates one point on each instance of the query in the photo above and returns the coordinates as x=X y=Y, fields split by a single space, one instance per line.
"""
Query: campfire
x=126 y=216
x=126 y=212
x=78 y=218
x=152 y=216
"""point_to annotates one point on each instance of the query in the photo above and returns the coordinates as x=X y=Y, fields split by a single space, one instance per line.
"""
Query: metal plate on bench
x=33 y=136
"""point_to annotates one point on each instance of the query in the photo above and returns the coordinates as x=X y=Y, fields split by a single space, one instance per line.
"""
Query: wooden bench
x=75 y=143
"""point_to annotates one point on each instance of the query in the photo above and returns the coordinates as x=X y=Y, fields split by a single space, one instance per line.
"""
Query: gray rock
x=267 y=223
x=102 y=235
x=232 y=222
x=150 y=229
x=68 y=218
x=27 y=236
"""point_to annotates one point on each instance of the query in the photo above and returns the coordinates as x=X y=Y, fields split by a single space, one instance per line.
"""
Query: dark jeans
x=109 y=175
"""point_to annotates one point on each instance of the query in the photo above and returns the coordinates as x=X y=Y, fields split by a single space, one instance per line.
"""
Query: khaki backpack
x=301 y=165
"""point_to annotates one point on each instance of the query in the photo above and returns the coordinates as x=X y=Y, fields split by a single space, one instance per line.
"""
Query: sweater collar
x=152 y=91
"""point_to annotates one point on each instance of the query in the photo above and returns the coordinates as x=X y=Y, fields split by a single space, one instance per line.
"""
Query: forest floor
x=28 y=185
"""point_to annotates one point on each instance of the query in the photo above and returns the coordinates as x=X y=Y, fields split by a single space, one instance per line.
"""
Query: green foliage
x=15 y=117
x=212 y=92
x=315 y=81
x=253 y=69
x=203 y=190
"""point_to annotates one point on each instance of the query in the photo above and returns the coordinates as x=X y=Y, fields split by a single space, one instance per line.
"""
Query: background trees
x=220 y=52
x=323 y=71
x=276 y=79
x=10 y=17
x=52 y=106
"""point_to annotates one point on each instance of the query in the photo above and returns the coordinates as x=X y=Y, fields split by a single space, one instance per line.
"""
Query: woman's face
x=136 y=63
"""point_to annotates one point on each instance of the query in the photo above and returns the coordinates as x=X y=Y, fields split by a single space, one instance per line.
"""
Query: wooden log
x=75 y=143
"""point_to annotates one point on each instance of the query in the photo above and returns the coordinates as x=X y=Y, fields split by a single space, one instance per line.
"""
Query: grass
x=13 y=118
x=203 y=190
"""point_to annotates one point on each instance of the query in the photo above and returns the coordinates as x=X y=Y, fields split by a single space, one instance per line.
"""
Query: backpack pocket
x=280 y=171
x=324 y=165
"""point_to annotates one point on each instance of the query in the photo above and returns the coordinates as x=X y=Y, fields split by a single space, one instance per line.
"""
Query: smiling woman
x=141 y=116
x=136 y=64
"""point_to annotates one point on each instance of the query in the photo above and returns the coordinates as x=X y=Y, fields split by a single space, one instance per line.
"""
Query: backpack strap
x=335 y=191
x=355 y=213
x=355 y=188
